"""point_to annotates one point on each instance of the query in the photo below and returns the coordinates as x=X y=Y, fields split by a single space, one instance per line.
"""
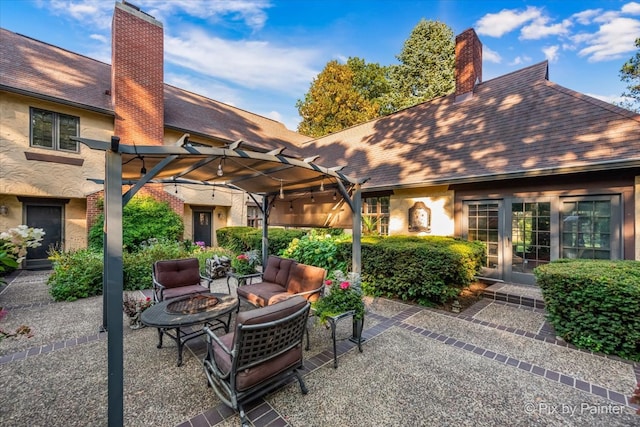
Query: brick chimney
x=137 y=77
x=468 y=63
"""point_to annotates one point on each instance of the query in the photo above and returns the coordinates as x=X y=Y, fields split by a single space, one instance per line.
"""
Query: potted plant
x=342 y=294
x=245 y=263
x=133 y=308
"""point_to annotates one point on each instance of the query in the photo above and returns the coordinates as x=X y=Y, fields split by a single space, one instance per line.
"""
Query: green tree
x=630 y=74
x=340 y=97
x=426 y=69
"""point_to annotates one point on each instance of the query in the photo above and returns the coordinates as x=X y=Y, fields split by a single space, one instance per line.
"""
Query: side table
x=241 y=279
x=356 y=336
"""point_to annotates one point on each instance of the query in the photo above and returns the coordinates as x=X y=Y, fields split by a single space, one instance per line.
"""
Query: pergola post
x=356 y=248
x=265 y=230
x=112 y=285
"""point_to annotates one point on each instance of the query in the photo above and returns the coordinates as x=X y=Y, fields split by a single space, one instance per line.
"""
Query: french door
x=484 y=222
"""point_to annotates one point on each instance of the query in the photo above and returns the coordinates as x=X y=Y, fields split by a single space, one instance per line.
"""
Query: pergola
x=267 y=175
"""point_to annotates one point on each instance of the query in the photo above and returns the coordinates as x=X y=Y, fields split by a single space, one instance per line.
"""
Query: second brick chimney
x=468 y=63
x=137 y=77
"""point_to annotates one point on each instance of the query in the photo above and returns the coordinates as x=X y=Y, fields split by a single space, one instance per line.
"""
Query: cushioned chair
x=262 y=353
x=284 y=278
x=177 y=277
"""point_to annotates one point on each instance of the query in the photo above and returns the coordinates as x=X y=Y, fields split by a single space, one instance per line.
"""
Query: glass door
x=530 y=238
x=483 y=221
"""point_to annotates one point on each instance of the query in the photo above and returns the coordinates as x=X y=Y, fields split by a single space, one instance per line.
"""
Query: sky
x=262 y=55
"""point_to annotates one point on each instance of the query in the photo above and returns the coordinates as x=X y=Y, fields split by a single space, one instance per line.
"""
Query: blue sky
x=262 y=55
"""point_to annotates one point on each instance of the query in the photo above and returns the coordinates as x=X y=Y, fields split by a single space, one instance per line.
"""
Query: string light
x=313 y=200
x=213 y=194
x=322 y=185
x=220 y=171
x=335 y=196
x=281 y=192
x=143 y=170
x=291 y=206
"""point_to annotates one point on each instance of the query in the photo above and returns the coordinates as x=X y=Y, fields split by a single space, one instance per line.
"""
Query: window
x=254 y=217
x=483 y=224
x=375 y=216
x=587 y=228
x=53 y=130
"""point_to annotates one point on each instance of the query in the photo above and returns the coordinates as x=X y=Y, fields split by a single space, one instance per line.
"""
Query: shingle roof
x=45 y=71
x=514 y=124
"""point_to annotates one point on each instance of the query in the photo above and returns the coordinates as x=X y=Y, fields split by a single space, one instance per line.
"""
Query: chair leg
x=303 y=386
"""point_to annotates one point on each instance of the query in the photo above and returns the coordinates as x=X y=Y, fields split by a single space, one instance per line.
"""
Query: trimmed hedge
x=429 y=270
x=243 y=239
x=594 y=305
x=78 y=274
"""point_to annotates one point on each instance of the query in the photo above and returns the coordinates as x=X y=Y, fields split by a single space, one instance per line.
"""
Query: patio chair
x=262 y=353
x=177 y=277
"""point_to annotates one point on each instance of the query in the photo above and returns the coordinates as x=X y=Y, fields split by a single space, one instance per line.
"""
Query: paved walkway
x=493 y=364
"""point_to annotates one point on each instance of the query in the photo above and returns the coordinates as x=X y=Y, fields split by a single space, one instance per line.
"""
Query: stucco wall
x=637 y=215
x=439 y=199
x=20 y=176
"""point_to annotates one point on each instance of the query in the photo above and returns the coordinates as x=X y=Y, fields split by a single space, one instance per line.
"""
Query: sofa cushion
x=182 y=291
x=304 y=278
x=260 y=294
x=222 y=359
x=271 y=312
x=277 y=270
x=177 y=272
x=247 y=378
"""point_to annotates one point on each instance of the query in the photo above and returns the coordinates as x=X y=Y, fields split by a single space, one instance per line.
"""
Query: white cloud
x=519 y=60
x=99 y=37
x=208 y=88
x=632 y=8
x=608 y=98
x=250 y=64
x=551 y=53
x=586 y=16
x=612 y=40
x=251 y=12
x=491 y=55
x=505 y=21
x=94 y=13
x=540 y=28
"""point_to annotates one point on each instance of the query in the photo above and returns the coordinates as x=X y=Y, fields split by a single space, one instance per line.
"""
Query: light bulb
x=220 y=171
x=335 y=196
x=322 y=186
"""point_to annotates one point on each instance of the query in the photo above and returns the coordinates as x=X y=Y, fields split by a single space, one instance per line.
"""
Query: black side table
x=356 y=334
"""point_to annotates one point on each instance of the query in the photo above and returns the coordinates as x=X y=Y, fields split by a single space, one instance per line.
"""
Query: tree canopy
x=630 y=74
x=344 y=95
x=339 y=97
x=427 y=64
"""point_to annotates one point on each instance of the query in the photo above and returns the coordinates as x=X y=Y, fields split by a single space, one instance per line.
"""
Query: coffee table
x=188 y=311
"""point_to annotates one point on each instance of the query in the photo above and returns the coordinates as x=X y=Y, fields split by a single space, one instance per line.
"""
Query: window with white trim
x=53 y=130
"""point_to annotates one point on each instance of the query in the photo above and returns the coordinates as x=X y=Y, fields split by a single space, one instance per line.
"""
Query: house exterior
x=535 y=170
x=48 y=94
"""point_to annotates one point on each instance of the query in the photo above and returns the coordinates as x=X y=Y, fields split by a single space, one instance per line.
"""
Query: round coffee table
x=190 y=310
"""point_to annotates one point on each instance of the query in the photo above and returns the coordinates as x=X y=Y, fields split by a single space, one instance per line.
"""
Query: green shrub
x=594 y=305
x=318 y=249
x=427 y=270
x=143 y=218
x=76 y=274
x=244 y=239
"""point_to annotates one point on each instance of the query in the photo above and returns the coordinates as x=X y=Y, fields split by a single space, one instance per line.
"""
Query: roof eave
x=57 y=100
x=533 y=173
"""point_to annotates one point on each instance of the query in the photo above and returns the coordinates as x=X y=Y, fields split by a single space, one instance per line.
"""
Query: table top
x=158 y=316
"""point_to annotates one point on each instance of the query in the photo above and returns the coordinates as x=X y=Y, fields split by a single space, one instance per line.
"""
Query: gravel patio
x=494 y=364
